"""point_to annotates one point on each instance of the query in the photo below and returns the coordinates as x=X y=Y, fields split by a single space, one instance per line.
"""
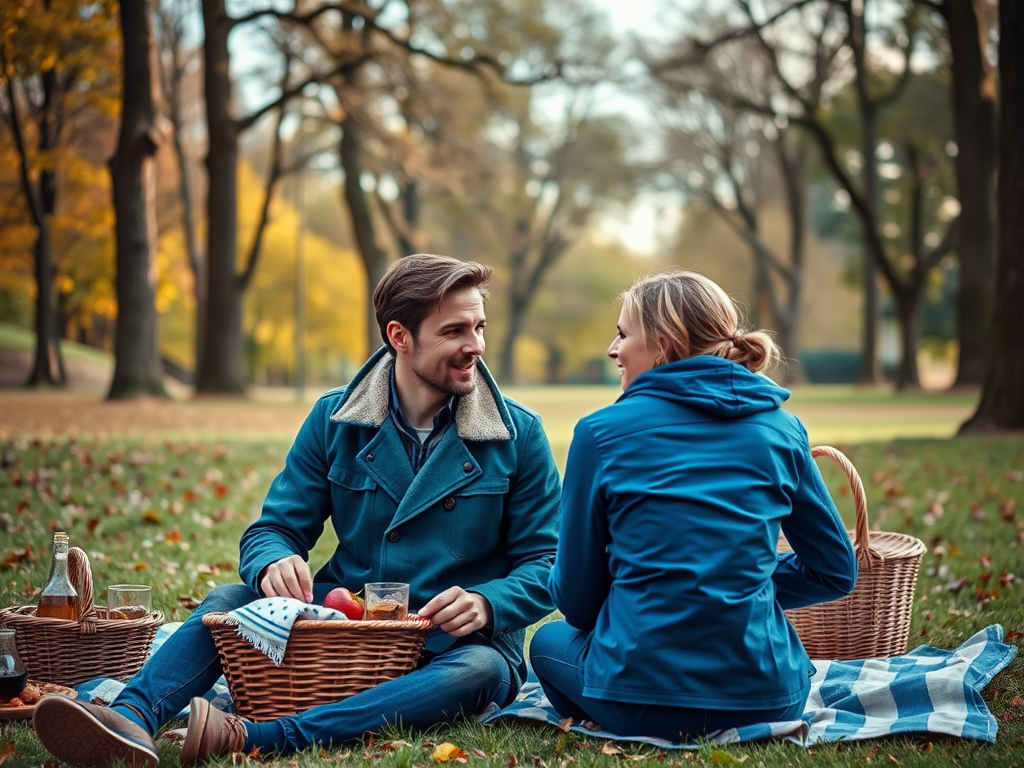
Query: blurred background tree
x=829 y=161
x=1002 y=404
x=55 y=105
x=133 y=175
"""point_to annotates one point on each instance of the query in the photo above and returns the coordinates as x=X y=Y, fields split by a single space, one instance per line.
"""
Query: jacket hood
x=715 y=386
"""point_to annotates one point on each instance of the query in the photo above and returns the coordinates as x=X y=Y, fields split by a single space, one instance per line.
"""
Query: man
x=428 y=476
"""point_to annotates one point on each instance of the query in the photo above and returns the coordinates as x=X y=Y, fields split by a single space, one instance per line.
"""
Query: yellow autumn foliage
x=447 y=752
x=335 y=296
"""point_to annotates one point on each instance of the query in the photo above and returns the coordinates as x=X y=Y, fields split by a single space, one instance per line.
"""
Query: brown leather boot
x=211 y=733
x=88 y=735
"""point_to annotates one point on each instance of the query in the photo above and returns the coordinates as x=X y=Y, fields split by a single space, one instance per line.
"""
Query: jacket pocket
x=353 y=497
x=473 y=524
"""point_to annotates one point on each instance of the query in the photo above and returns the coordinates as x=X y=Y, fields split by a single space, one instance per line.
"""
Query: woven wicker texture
x=873 y=621
x=68 y=652
x=326 y=661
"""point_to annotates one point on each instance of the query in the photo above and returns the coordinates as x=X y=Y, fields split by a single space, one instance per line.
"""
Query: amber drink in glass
x=129 y=601
x=386 y=601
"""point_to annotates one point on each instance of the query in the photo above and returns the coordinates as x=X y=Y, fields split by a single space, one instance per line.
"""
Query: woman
x=673 y=498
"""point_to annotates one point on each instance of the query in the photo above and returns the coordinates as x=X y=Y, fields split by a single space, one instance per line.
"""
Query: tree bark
x=790 y=317
x=514 y=327
x=195 y=258
x=870 y=371
x=908 y=311
x=133 y=172
x=974 y=111
x=527 y=275
x=173 y=85
x=1002 y=401
x=375 y=260
x=221 y=367
x=41 y=200
x=43 y=369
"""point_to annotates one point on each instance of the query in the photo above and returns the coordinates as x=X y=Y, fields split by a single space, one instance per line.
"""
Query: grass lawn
x=160 y=493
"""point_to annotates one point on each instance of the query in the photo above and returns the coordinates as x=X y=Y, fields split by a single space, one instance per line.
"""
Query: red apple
x=341 y=599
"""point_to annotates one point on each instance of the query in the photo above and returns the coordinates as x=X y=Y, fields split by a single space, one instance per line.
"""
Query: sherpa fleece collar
x=481 y=415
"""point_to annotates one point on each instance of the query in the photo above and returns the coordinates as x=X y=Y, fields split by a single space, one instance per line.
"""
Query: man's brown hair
x=416 y=285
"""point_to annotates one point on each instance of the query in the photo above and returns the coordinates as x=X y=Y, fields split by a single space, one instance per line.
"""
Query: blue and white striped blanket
x=929 y=690
x=267 y=622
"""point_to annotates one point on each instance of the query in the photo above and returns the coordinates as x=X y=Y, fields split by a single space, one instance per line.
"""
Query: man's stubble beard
x=445 y=386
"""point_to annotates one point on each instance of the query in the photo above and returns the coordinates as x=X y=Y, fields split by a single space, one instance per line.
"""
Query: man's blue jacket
x=672 y=504
x=480 y=514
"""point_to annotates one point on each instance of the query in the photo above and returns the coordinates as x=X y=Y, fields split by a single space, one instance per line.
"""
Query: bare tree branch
x=275 y=174
x=703 y=48
x=904 y=77
x=302 y=19
x=398 y=230
x=35 y=205
x=748 y=235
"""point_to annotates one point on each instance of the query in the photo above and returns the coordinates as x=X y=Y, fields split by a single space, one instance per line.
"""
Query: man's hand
x=288 y=577
x=458 y=612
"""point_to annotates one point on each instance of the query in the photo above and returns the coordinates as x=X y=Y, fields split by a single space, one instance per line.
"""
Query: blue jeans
x=557 y=652
x=462 y=679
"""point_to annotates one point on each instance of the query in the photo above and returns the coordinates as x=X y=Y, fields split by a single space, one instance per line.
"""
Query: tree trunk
x=411 y=212
x=133 y=171
x=221 y=369
x=1002 y=401
x=41 y=199
x=195 y=259
x=375 y=261
x=43 y=369
x=789 y=337
x=174 y=22
x=908 y=311
x=974 y=123
x=760 y=300
x=795 y=178
x=870 y=370
x=507 y=353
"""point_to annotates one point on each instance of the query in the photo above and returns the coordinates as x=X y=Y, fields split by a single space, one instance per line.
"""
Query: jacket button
x=467 y=467
x=394 y=536
x=449 y=503
x=369 y=457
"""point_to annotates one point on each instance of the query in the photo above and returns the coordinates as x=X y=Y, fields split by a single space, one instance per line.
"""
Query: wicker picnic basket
x=70 y=652
x=873 y=621
x=325 y=661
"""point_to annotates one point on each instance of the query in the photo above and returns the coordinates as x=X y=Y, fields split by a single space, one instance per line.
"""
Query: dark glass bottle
x=13 y=674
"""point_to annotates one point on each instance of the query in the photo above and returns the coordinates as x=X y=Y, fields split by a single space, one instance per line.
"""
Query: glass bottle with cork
x=59 y=598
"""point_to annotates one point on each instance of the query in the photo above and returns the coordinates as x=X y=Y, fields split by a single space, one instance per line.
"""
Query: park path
x=77 y=414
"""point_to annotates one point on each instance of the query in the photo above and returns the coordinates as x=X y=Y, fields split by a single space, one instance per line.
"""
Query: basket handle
x=866 y=556
x=80 y=572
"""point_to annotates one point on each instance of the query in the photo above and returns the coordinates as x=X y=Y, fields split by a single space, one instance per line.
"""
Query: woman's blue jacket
x=672 y=502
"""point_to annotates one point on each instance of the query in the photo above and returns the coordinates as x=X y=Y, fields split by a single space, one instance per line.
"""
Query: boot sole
x=71 y=733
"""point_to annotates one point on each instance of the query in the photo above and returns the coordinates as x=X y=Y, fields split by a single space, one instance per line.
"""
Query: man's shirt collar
x=419 y=450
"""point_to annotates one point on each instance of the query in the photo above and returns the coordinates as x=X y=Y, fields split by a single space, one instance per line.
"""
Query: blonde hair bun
x=686 y=314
